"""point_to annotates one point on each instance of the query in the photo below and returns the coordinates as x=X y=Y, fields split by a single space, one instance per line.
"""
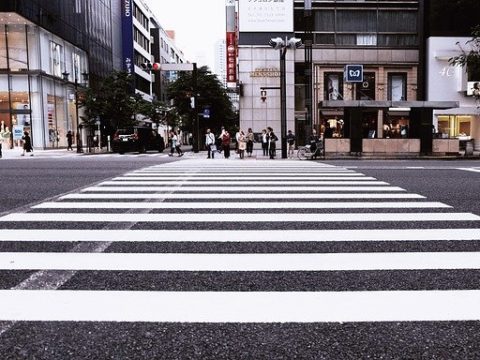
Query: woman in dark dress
x=27 y=143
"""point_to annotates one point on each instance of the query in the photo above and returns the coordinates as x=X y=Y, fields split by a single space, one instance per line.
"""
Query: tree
x=210 y=93
x=115 y=103
x=470 y=59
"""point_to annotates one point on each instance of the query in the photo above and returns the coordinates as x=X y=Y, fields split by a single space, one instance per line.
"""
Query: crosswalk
x=229 y=219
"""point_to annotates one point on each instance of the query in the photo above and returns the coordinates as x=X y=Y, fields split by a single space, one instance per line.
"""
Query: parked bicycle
x=306 y=153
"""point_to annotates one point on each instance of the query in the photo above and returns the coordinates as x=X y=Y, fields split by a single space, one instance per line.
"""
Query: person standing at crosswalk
x=210 y=144
x=226 y=144
x=272 y=139
x=265 y=142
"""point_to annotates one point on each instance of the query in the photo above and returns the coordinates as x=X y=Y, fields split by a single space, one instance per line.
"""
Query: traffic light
x=148 y=66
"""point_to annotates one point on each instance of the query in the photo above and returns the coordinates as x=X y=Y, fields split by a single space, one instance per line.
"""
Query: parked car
x=140 y=139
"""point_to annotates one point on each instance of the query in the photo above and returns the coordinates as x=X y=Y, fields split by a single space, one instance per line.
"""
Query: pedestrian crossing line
x=231 y=196
x=377 y=261
x=192 y=182
x=250 y=176
x=239 y=205
x=239 y=307
x=245 y=189
x=470 y=169
x=239 y=217
x=227 y=236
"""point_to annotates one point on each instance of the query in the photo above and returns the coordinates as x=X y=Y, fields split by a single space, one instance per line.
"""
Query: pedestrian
x=291 y=144
x=178 y=146
x=242 y=144
x=272 y=139
x=69 y=140
x=237 y=137
x=219 y=141
x=250 y=138
x=226 y=144
x=314 y=141
x=174 y=144
x=27 y=144
x=265 y=142
x=210 y=144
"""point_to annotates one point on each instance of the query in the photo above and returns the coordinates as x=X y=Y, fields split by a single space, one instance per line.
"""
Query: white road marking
x=192 y=188
x=226 y=236
x=239 y=217
x=309 y=195
x=239 y=307
x=240 y=262
x=470 y=169
x=192 y=182
x=239 y=205
x=223 y=176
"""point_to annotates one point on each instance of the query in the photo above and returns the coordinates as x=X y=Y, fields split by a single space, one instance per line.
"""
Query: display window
x=454 y=126
x=396 y=126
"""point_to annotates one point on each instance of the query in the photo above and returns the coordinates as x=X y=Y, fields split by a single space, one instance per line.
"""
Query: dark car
x=137 y=139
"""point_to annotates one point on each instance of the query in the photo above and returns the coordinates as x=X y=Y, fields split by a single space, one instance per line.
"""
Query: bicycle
x=305 y=152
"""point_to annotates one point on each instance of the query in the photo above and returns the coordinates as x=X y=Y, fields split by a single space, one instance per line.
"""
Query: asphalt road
x=37 y=181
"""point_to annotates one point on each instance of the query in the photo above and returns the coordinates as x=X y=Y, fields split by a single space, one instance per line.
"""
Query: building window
x=55 y=58
x=333 y=86
x=397 y=87
x=367 y=40
x=76 y=66
x=366 y=89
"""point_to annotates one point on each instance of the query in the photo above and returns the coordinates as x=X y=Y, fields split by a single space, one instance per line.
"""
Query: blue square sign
x=353 y=73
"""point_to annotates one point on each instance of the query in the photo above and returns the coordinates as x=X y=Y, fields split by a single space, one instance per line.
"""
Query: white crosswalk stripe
x=255 y=207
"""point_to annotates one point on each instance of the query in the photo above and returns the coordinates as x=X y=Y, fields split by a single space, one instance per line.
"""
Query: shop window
x=335 y=127
x=397 y=87
x=366 y=89
x=396 y=126
x=369 y=125
x=453 y=126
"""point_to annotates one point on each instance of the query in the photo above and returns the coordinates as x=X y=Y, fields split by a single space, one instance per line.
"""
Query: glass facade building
x=49 y=51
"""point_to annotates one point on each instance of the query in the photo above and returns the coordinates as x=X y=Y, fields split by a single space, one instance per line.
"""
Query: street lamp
x=76 y=84
x=283 y=45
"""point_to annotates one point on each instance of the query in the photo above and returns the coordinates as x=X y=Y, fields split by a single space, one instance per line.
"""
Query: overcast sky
x=198 y=24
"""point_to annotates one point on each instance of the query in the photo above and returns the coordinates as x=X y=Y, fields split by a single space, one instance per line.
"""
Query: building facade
x=382 y=112
x=44 y=62
x=448 y=30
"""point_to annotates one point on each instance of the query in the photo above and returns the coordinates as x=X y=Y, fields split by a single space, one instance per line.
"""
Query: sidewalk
x=256 y=155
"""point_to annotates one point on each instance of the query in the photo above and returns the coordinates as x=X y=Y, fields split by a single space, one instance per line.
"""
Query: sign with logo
x=265 y=15
x=17 y=132
x=206 y=113
x=231 y=49
x=127 y=36
x=353 y=73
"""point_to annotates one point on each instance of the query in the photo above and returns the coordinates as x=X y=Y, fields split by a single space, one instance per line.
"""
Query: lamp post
x=283 y=45
x=76 y=84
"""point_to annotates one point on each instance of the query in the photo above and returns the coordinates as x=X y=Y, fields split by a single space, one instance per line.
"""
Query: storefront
x=40 y=79
x=383 y=127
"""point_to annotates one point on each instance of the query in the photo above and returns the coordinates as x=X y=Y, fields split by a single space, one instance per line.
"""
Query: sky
x=198 y=25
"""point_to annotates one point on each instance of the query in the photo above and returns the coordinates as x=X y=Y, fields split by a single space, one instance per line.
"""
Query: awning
x=464 y=110
x=385 y=104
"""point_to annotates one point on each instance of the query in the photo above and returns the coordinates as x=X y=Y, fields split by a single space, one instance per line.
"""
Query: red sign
x=231 y=58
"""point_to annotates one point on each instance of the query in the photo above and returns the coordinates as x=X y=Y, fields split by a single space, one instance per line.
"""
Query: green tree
x=470 y=59
x=210 y=93
x=115 y=103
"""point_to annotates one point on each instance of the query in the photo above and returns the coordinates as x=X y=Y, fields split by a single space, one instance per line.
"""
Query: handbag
x=213 y=147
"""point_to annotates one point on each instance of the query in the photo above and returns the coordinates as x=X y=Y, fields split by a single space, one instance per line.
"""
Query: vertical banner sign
x=127 y=36
x=231 y=44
